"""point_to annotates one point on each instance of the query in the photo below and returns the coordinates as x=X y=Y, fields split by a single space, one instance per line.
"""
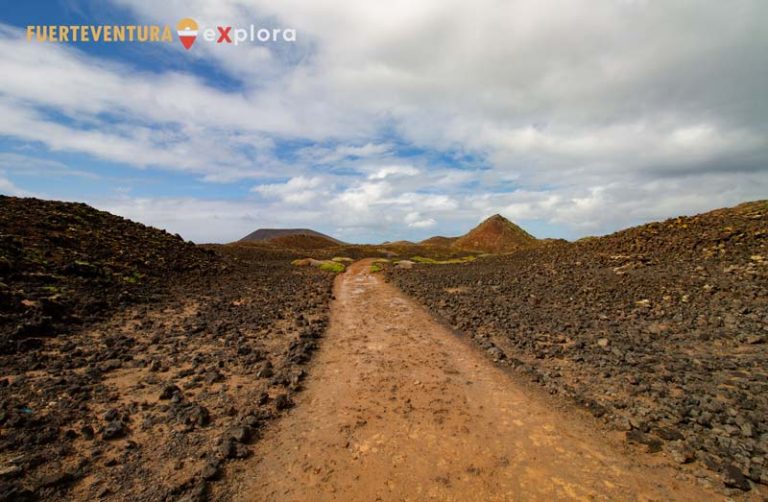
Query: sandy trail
x=399 y=408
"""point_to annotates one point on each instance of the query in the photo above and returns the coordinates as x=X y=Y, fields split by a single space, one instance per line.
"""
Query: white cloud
x=27 y=165
x=298 y=190
x=226 y=221
x=322 y=155
x=591 y=115
x=390 y=171
x=415 y=220
x=372 y=212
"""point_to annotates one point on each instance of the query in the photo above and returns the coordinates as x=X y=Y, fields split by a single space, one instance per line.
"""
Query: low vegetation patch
x=332 y=266
x=449 y=261
x=327 y=265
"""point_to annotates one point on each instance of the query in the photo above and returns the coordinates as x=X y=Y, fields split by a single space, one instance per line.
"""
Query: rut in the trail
x=399 y=408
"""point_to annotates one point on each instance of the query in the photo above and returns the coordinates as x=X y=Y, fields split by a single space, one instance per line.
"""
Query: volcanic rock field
x=137 y=366
x=660 y=330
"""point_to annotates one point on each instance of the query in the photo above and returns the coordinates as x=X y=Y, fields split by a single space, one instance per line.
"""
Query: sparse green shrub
x=449 y=261
x=332 y=266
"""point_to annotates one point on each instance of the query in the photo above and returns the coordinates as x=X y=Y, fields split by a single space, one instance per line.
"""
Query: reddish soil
x=400 y=408
x=439 y=241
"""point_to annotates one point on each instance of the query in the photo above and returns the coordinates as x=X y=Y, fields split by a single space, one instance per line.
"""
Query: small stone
x=110 y=364
x=603 y=342
x=114 y=430
x=169 y=391
x=636 y=436
x=734 y=478
x=199 y=415
x=680 y=452
x=283 y=402
x=755 y=473
x=241 y=451
x=213 y=376
x=10 y=471
x=495 y=353
x=250 y=421
x=87 y=432
x=654 y=445
x=668 y=434
x=266 y=370
x=240 y=434
x=56 y=478
x=226 y=449
x=210 y=472
x=198 y=493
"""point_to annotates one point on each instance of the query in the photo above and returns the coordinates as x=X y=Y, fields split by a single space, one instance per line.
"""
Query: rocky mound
x=439 y=241
x=495 y=235
x=661 y=330
x=266 y=234
x=64 y=264
x=398 y=243
x=150 y=400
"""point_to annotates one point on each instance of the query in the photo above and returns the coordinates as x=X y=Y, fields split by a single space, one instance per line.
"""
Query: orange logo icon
x=187 y=30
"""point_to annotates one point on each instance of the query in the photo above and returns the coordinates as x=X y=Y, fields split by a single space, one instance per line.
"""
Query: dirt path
x=399 y=408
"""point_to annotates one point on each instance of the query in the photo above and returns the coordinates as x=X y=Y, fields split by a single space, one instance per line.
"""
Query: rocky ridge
x=660 y=329
x=151 y=393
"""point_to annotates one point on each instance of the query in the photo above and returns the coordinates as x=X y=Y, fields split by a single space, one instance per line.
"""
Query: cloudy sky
x=392 y=120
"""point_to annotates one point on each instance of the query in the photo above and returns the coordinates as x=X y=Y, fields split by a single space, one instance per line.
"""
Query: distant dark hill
x=267 y=234
x=439 y=241
x=302 y=241
x=398 y=243
x=495 y=235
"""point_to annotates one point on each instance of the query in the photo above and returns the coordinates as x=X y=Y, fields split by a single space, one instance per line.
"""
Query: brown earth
x=400 y=408
x=495 y=235
x=439 y=241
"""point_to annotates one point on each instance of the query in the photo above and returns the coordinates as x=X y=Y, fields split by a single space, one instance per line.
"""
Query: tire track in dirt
x=399 y=408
